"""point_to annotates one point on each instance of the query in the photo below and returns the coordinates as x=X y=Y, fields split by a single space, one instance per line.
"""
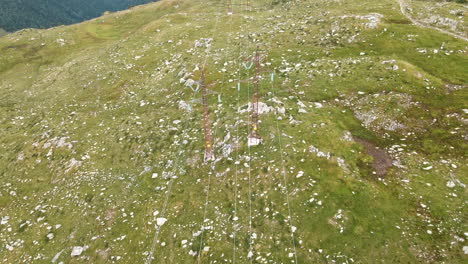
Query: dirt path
x=382 y=161
x=403 y=7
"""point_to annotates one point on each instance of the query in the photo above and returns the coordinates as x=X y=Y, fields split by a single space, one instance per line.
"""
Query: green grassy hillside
x=362 y=120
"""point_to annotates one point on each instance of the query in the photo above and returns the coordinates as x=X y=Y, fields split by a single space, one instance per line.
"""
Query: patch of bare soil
x=382 y=161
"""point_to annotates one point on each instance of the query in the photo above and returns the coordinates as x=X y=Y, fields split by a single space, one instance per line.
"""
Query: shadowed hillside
x=19 y=14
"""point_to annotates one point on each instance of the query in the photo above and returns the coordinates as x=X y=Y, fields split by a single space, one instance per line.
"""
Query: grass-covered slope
x=363 y=126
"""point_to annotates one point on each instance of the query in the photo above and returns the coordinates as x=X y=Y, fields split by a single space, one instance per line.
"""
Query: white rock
x=281 y=110
x=427 y=168
x=465 y=250
x=154 y=176
x=167 y=175
x=160 y=221
x=183 y=105
x=388 y=62
x=76 y=251
x=252 y=141
x=4 y=220
x=300 y=174
x=262 y=108
x=301 y=104
x=55 y=258
x=450 y=184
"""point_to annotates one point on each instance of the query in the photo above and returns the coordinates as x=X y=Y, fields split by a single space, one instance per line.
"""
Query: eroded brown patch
x=382 y=161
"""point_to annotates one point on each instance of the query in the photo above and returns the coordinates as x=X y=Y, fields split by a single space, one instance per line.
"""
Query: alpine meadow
x=238 y=131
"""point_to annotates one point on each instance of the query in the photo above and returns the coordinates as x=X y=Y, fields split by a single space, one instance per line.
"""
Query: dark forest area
x=20 y=14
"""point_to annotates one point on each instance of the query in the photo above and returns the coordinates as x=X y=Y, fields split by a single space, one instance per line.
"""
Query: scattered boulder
x=77 y=251
x=382 y=160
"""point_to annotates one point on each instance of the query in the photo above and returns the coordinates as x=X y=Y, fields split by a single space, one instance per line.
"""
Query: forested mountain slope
x=19 y=14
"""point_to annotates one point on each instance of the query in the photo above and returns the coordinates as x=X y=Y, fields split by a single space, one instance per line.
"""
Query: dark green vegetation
x=16 y=14
x=95 y=131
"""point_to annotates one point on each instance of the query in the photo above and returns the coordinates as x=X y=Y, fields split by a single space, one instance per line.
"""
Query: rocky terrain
x=361 y=148
x=20 y=14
